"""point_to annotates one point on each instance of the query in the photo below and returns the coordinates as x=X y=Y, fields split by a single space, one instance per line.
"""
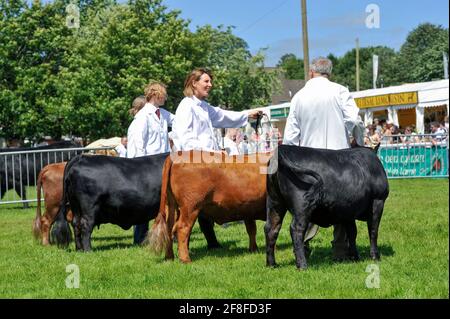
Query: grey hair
x=321 y=65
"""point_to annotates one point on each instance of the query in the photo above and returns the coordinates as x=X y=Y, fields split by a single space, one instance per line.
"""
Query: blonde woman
x=148 y=134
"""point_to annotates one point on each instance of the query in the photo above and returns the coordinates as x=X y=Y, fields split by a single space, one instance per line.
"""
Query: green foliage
x=58 y=80
x=420 y=57
x=419 y=60
x=292 y=66
x=344 y=68
x=413 y=241
x=240 y=80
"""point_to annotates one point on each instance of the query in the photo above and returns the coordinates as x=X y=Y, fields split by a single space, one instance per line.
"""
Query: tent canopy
x=429 y=94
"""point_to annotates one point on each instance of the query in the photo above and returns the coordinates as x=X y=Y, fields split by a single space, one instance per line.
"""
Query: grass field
x=413 y=241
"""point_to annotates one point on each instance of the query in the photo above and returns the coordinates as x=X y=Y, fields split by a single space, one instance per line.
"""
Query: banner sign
x=431 y=161
x=280 y=112
x=392 y=99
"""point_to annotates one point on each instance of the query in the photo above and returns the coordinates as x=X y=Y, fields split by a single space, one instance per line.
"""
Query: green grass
x=413 y=240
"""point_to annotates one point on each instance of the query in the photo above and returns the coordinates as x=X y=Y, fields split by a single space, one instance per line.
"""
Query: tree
x=240 y=80
x=420 y=57
x=56 y=79
x=344 y=68
x=31 y=56
x=292 y=66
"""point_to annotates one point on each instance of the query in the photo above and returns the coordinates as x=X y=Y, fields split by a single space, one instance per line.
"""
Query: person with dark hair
x=195 y=119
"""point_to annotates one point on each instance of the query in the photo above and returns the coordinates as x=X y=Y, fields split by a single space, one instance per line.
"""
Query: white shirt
x=230 y=147
x=121 y=150
x=194 y=122
x=243 y=148
x=147 y=134
x=322 y=114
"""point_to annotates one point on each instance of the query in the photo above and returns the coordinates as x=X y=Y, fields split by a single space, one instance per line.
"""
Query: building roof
x=288 y=89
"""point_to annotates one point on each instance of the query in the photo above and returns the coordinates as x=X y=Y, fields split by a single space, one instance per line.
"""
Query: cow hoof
x=272 y=265
x=339 y=259
x=302 y=268
x=186 y=261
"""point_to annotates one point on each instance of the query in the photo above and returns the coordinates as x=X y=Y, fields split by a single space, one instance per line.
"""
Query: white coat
x=148 y=134
x=230 y=146
x=195 y=120
x=322 y=114
x=121 y=150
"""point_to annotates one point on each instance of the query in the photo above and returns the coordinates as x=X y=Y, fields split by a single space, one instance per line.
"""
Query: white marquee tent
x=423 y=95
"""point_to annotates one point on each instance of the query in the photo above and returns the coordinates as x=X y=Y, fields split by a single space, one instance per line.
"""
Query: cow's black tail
x=314 y=194
x=61 y=234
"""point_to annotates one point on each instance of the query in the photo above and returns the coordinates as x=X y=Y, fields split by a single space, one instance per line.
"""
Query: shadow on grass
x=112 y=246
x=321 y=256
x=113 y=238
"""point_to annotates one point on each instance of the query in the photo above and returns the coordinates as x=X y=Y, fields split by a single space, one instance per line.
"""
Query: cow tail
x=61 y=233
x=158 y=237
x=315 y=194
x=37 y=219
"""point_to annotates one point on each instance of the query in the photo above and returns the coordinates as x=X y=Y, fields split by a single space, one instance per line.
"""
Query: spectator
x=395 y=132
x=387 y=133
x=230 y=141
x=438 y=133
x=378 y=128
x=409 y=136
x=243 y=145
x=121 y=149
x=373 y=138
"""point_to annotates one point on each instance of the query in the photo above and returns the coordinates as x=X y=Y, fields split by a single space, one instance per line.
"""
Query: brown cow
x=224 y=188
x=51 y=180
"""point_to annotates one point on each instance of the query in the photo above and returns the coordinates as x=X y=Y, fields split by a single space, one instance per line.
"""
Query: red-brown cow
x=224 y=188
x=51 y=180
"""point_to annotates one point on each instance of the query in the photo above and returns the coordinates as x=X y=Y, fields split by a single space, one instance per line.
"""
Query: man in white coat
x=195 y=119
x=323 y=115
x=148 y=134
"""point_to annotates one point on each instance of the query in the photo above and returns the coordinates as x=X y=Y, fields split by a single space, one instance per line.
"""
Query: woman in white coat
x=195 y=119
x=148 y=134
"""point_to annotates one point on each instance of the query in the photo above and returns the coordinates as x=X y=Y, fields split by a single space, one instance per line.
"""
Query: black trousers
x=139 y=233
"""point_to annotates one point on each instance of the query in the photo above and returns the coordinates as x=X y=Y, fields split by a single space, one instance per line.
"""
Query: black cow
x=325 y=187
x=20 y=170
x=103 y=189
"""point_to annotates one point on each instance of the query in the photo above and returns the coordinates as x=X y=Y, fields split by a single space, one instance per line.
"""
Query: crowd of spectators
x=387 y=133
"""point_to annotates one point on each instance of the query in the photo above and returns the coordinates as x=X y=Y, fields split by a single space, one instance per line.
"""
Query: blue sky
x=333 y=25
